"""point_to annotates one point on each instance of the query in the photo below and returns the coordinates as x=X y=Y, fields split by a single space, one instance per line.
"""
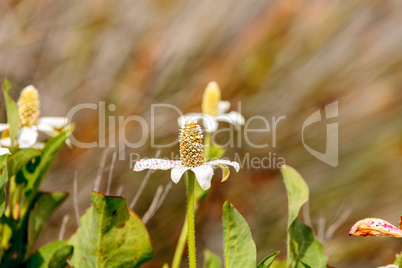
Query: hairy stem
x=190 y=220
x=180 y=245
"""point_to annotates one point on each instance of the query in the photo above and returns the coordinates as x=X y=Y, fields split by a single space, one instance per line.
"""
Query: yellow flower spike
x=211 y=99
x=28 y=106
x=191 y=147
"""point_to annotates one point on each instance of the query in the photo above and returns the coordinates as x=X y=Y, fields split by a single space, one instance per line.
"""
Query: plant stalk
x=191 y=220
x=180 y=245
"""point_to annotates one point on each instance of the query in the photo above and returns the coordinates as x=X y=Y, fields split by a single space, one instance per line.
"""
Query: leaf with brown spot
x=111 y=235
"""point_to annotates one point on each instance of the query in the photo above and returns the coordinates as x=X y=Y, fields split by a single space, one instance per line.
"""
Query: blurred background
x=276 y=58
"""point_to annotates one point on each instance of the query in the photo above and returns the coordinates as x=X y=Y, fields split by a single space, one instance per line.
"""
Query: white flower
x=203 y=173
x=28 y=109
x=4 y=151
x=191 y=158
x=213 y=111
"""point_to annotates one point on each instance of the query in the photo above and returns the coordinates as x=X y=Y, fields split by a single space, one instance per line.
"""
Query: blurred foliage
x=276 y=57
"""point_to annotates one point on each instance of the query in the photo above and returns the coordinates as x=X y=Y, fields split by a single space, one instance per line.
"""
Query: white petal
x=6 y=142
x=4 y=127
x=223 y=107
x=204 y=175
x=177 y=173
x=54 y=122
x=225 y=162
x=27 y=136
x=51 y=125
x=234 y=118
x=45 y=128
x=209 y=123
x=188 y=117
x=155 y=164
x=38 y=146
x=4 y=151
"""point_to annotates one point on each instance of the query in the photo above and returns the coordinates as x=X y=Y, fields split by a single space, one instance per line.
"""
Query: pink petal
x=155 y=164
x=374 y=227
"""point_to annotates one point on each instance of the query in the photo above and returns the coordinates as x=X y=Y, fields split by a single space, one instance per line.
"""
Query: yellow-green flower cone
x=28 y=106
x=211 y=99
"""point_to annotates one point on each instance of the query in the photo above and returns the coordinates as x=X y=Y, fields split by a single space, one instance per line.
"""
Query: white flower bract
x=4 y=151
x=203 y=173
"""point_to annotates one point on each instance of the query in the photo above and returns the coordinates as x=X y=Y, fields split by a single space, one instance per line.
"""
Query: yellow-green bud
x=211 y=99
x=28 y=106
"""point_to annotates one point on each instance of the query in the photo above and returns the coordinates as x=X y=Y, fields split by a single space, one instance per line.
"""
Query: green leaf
x=6 y=85
x=211 y=260
x=225 y=172
x=20 y=158
x=297 y=191
x=278 y=264
x=52 y=255
x=267 y=262
x=13 y=118
x=35 y=173
x=307 y=250
x=3 y=160
x=215 y=151
x=59 y=258
x=398 y=260
x=45 y=205
x=238 y=245
x=3 y=183
x=111 y=235
x=165 y=265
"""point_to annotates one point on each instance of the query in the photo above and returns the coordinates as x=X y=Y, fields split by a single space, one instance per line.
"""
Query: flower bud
x=211 y=99
x=28 y=106
x=374 y=227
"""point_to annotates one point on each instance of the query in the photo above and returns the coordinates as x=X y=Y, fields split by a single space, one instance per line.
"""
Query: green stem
x=190 y=220
x=398 y=260
x=288 y=261
x=288 y=255
x=180 y=245
x=10 y=208
x=184 y=231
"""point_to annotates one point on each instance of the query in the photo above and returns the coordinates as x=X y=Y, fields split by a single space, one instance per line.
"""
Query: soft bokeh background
x=275 y=57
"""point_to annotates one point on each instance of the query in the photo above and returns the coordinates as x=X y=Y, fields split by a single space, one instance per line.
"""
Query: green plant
x=110 y=233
